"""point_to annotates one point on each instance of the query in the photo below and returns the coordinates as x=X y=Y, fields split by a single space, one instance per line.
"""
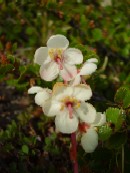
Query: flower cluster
x=68 y=101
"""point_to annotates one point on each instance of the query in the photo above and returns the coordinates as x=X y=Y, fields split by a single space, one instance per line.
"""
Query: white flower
x=42 y=94
x=89 y=139
x=69 y=106
x=88 y=68
x=105 y=3
x=56 y=59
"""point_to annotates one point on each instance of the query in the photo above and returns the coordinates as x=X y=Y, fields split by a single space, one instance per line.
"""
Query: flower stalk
x=73 y=152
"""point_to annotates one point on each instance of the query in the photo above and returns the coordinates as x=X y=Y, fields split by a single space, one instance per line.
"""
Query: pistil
x=70 y=109
x=58 y=61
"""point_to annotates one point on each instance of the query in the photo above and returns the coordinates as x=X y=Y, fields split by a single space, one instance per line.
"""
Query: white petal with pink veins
x=76 y=80
x=49 y=71
x=73 y=56
x=68 y=72
x=89 y=140
x=65 y=124
x=58 y=41
x=41 y=56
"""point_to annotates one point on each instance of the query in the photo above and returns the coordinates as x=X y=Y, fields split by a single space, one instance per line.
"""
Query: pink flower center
x=69 y=105
x=59 y=62
x=83 y=127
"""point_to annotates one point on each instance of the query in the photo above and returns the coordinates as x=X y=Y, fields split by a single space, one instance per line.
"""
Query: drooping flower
x=57 y=59
x=89 y=139
x=42 y=94
x=88 y=68
x=68 y=105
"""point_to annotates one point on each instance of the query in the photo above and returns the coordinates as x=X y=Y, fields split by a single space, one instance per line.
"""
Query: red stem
x=74 y=152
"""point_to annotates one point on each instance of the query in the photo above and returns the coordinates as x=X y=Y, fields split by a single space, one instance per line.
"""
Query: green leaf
x=104 y=132
x=117 y=140
x=19 y=86
x=6 y=68
x=33 y=68
x=114 y=116
x=97 y=34
x=25 y=149
x=30 y=30
x=120 y=94
x=11 y=59
x=14 y=47
x=126 y=101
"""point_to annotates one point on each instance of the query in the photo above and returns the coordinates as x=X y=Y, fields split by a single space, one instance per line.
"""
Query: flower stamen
x=70 y=109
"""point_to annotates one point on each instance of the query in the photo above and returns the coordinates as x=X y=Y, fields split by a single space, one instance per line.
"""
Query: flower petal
x=49 y=71
x=65 y=124
x=41 y=97
x=51 y=107
x=82 y=92
x=76 y=80
x=88 y=68
x=105 y=3
x=58 y=41
x=68 y=72
x=60 y=91
x=92 y=60
x=41 y=56
x=86 y=112
x=73 y=56
x=89 y=140
x=35 y=89
x=100 y=119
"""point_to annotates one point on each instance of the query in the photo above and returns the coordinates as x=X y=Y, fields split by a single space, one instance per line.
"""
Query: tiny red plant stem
x=74 y=152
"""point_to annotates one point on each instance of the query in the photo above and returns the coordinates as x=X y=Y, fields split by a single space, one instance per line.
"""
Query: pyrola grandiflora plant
x=67 y=100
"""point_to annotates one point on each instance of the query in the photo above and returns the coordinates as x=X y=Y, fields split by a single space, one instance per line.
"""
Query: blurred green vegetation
x=28 y=142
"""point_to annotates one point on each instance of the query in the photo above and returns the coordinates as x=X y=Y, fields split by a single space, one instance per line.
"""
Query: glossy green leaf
x=104 y=132
x=120 y=94
x=126 y=101
x=114 y=117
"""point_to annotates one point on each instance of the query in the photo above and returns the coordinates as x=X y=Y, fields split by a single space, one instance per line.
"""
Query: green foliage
x=104 y=132
x=126 y=101
x=120 y=95
x=97 y=34
x=114 y=117
x=123 y=97
x=6 y=68
x=49 y=141
x=117 y=140
x=25 y=149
